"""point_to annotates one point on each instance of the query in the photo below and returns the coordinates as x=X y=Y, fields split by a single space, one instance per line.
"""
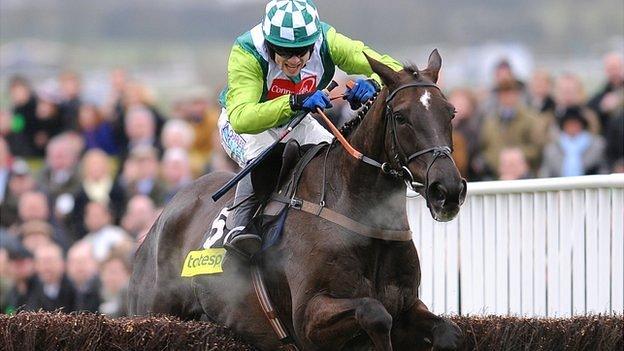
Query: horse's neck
x=367 y=193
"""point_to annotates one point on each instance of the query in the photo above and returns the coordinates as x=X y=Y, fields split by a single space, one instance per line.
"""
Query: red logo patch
x=285 y=86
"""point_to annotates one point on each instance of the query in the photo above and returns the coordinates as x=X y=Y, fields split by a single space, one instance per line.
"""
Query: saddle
x=291 y=159
x=272 y=213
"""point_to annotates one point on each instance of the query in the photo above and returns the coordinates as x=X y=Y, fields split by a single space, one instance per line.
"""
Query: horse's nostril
x=437 y=192
x=464 y=190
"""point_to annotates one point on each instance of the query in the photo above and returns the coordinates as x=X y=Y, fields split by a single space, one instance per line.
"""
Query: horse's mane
x=352 y=124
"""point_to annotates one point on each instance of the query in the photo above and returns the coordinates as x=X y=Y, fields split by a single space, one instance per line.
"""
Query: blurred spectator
x=35 y=234
x=82 y=270
x=60 y=173
x=98 y=185
x=618 y=167
x=140 y=127
x=70 y=85
x=178 y=133
x=53 y=290
x=24 y=119
x=48 y=122
x=466 y=125
x=114 y=107
x=510 y=125
x=22 y=270
x=139 y=216
x=141 y=174
x=576 y=152
x=570 y=95
x=512 y=165
x=176 y=170
x=33 y=205
x=137 y=95
x=5 y=168
x=609 y=104
x=20 y=182
x=542 y=101
x=503 y=72
x=103 y=235
x=97 y=132
x=7 y=242
x=5 y=279
x=610 y=98
x=540 y=92
x=115 y=275
x=5 y=123
x=615 y=142
x=75 y=141
x=203 y=117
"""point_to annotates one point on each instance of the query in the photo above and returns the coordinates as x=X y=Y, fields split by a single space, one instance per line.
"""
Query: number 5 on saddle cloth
x=269 y=219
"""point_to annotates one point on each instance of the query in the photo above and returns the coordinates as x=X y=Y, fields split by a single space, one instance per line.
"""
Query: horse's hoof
x=447 y=335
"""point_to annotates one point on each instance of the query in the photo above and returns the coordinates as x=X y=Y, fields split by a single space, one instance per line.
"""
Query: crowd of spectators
x=81 y=183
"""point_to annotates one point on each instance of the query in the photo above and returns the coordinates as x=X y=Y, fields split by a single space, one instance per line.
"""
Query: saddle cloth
x=270 y=227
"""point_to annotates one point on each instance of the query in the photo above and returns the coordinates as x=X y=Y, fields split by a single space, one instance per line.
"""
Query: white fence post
x=538 y=247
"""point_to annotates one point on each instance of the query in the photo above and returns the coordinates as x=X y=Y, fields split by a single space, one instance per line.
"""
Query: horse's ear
x=433 y=66
x=387 y=74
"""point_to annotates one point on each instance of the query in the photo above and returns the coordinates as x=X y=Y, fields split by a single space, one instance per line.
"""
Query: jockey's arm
x=348 y=54
x=245 y=84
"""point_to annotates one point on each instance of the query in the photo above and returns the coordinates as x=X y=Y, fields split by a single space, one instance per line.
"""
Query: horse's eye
x=452 y=111
x=399 y=118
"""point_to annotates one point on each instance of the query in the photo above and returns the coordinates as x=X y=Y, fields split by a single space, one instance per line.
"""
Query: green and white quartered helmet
x=291 y=23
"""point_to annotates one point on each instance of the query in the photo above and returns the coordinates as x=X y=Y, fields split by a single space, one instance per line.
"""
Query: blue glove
x=309 y=101
x=362 y=91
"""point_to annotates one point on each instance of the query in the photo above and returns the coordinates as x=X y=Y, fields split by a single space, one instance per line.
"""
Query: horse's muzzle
x=445 y=198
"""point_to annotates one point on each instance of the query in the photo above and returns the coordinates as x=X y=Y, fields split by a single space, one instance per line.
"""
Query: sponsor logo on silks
x=282 y=86
x=233 y=144
x=207 y=261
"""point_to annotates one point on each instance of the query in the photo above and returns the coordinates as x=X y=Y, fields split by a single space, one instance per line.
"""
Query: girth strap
x=257 y=281
x=344 y=221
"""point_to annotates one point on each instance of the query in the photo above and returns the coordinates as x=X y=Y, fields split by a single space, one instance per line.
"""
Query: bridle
x=397 y=167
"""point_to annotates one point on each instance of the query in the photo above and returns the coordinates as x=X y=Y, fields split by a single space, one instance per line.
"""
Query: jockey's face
x=292 y=66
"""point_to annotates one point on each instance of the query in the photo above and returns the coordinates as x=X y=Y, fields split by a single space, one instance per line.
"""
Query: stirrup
x=244 y=245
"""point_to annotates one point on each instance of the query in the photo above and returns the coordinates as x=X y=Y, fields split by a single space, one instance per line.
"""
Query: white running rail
x=537 y=247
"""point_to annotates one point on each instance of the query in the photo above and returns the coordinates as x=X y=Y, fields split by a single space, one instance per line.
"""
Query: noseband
x=401 y=161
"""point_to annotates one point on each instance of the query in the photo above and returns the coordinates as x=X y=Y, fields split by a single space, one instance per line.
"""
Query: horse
x=333 y=288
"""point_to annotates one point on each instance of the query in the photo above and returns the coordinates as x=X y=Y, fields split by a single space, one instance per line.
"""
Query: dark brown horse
x=332 y=288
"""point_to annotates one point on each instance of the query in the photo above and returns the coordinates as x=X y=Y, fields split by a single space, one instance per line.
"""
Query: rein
x=401 y=170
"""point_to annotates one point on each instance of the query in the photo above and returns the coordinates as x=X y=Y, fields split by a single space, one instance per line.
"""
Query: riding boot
x=243 y=240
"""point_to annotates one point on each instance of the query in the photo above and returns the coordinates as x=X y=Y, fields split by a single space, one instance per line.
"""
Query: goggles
x=287 y=53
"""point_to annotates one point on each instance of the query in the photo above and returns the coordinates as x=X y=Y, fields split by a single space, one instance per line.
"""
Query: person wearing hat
x=275 y=70
x=576 y=151
x=23 y=277
x=510 y=124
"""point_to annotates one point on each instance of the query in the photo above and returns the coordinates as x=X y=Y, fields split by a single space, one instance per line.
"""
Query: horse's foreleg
x=329 y=323
x=418 y=323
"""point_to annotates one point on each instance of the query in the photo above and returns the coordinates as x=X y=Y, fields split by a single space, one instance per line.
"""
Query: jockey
x=275 y=70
